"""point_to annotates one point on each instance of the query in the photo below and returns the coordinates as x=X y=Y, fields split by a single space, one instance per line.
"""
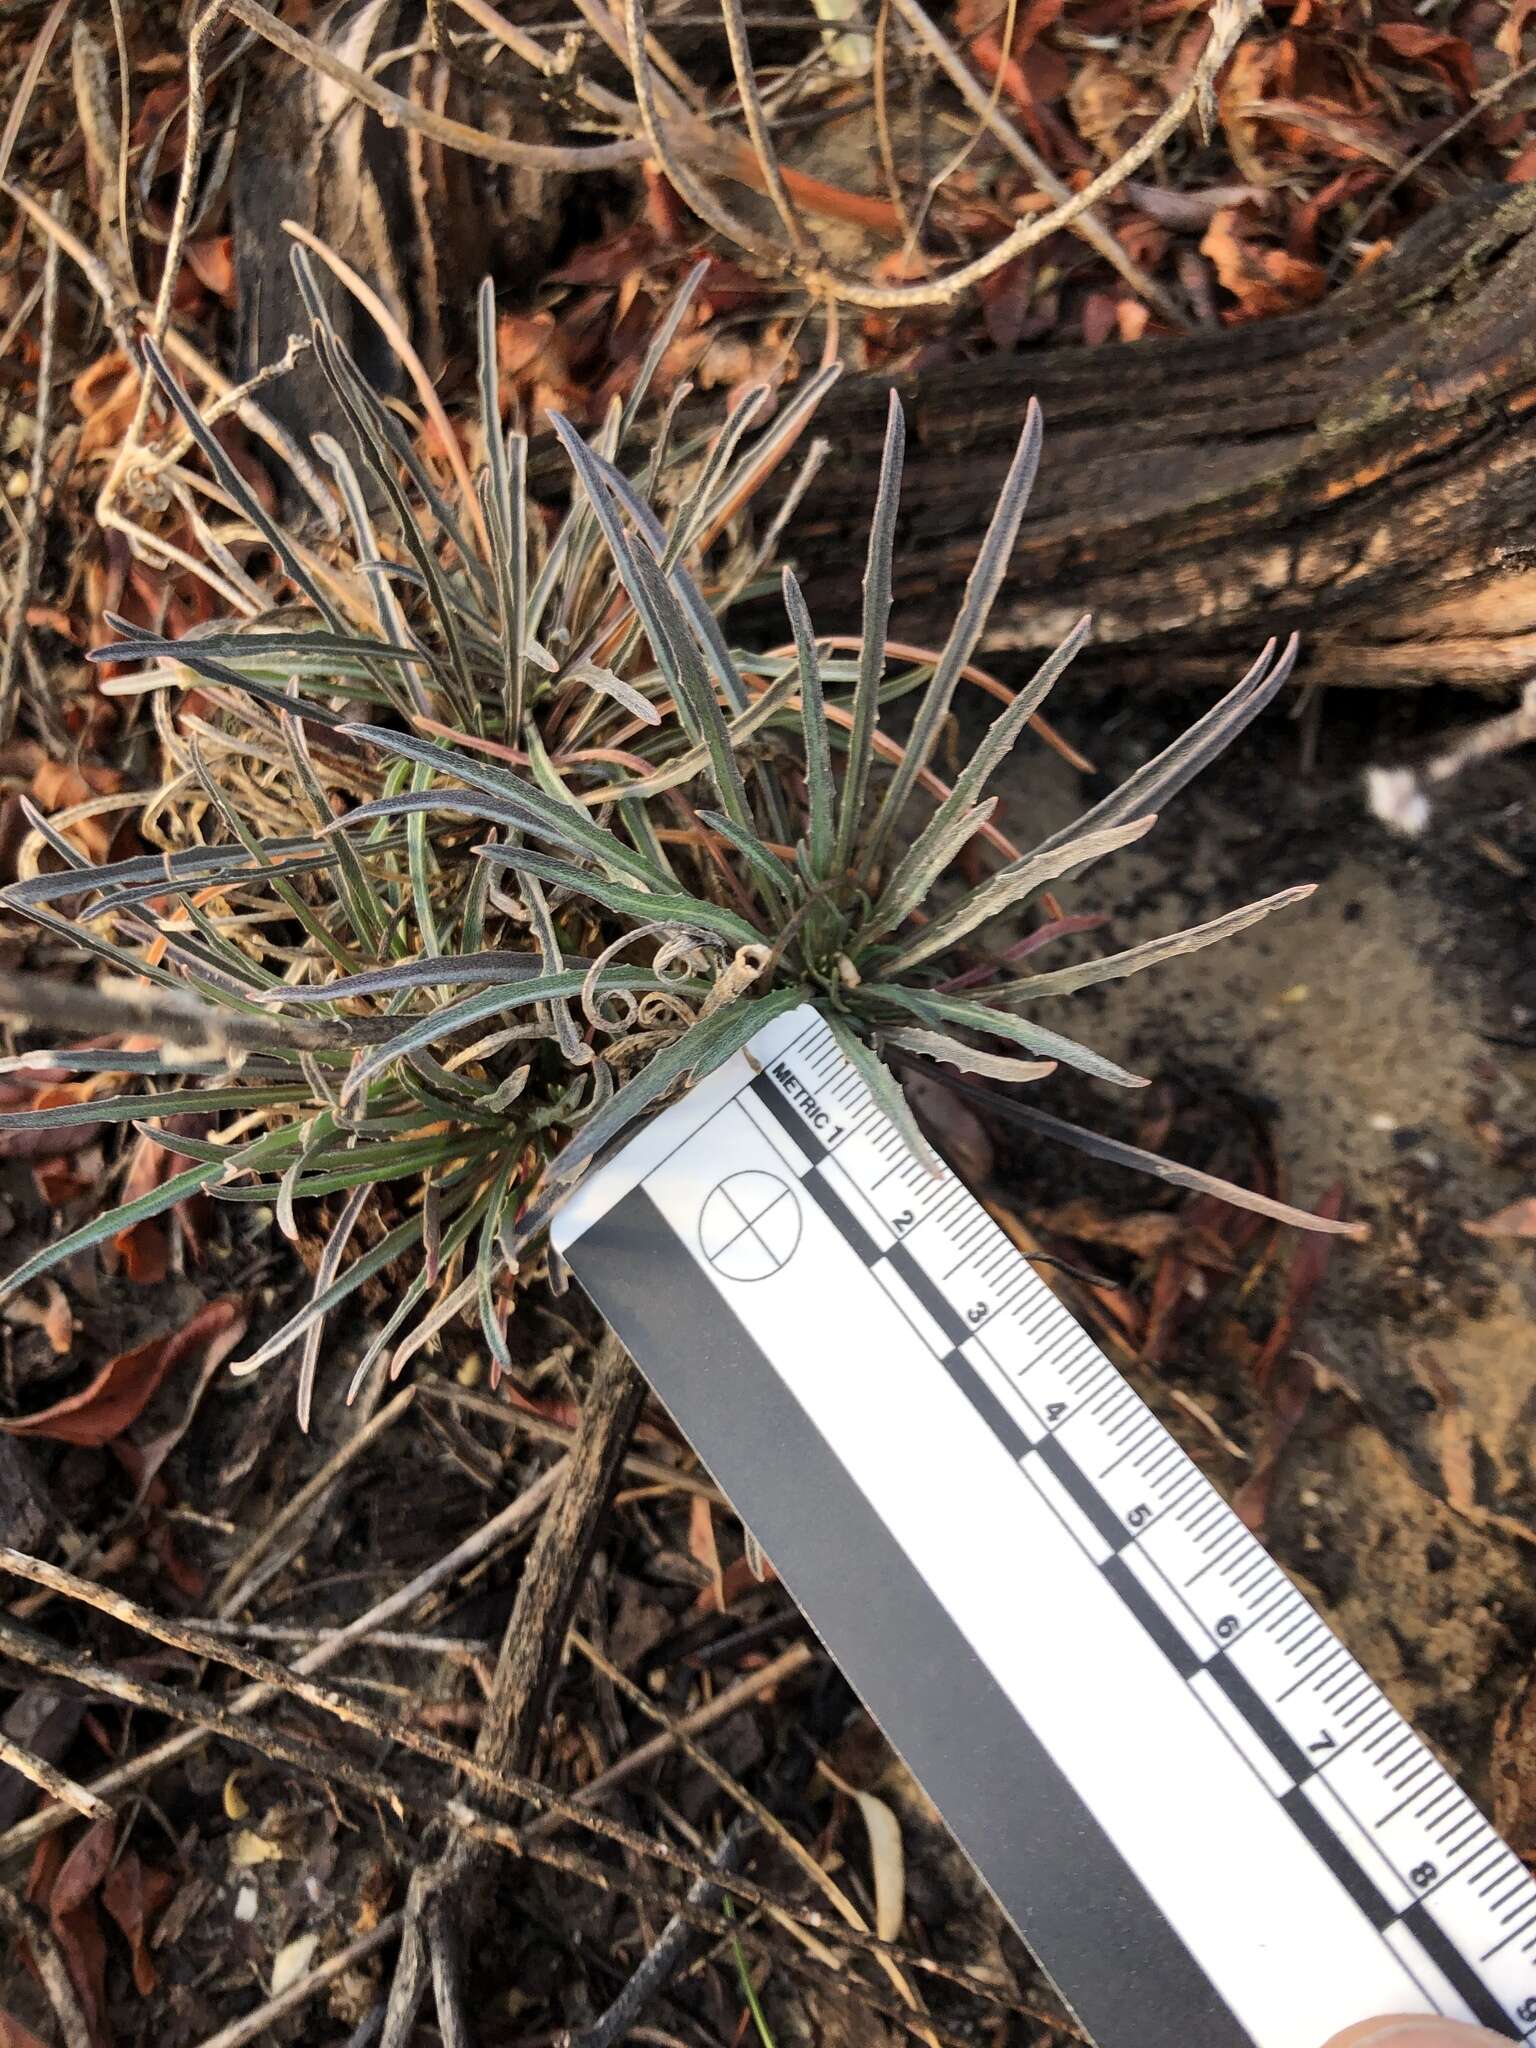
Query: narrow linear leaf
x=765 y=865
x=1163 y=777
x=319 y=1306
x=101 y=1227
x=607 y=684
x=660 y=342
x=813 y=725
x=566 y=1032
x=490 y=1002
x=768 y=706
x=981 y=588
x=1114 y=966
x=691 y=515
x=1050 y=1045
x=123 y=1109
x=913 y=882
x=886 y=1090
x=970 y=1059
x=1115 y=1152
x=528 y=804
x=670 y=907
x=466 y=970
x=703 y=1047
x=998 y=741
x=325 y=1272
x=1008 y=887
x=235 y=484
x=872 y=635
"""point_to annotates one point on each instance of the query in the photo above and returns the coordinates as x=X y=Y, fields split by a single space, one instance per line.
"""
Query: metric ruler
x=1197 y=1809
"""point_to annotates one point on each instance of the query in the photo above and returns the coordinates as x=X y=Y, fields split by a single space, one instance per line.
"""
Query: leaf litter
x=1314 y=121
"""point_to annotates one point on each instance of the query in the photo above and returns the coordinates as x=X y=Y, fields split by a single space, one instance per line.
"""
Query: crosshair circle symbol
x=749 y=1226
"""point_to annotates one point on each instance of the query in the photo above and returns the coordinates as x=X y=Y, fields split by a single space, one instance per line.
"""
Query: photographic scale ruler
x=1195 y=1806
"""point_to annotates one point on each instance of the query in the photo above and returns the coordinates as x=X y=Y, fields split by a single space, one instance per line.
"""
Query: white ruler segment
x=1192 y=1801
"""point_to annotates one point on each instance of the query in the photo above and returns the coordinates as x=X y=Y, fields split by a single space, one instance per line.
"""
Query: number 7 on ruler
x=1195 y=1806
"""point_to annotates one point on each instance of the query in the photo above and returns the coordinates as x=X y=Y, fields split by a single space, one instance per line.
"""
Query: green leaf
x=981 y=588
x=872 y=636
x=685 y=767
x=995 y=746
x=775 y=877
x=704 y=1046
x=124 y=1109
x=933 y=1008
x=108 y=1223
x=527 y=805
x=566 y=1032
x=660 y=342
x=236 y=486
x=886 y=1090
x=1066 y=981
x=320 y=1304
x=1009 y=886
x=666 y=626
x=490 y=1002
x=1162 y=778
x=670 y=907
x=969 y=1059
x=325 y=1272
x=913 y=882
x=813 y=725
x=451 y=970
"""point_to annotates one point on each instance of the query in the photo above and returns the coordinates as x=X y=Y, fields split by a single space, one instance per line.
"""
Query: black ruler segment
x=1203 y=1815
x=1052 y=1866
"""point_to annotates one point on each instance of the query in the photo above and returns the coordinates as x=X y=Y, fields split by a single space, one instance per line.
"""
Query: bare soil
x=1385 y=1030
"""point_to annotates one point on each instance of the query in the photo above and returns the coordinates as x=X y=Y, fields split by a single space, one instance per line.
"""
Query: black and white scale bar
x=1195 y=1806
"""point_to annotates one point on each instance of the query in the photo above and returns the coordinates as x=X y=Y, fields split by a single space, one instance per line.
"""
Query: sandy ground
x=1375 y=1021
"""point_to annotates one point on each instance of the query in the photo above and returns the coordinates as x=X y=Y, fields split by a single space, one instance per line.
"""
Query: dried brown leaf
x=133 y=1894
x=1143 y=1234
x=124 y=1387
x=1518 y=1220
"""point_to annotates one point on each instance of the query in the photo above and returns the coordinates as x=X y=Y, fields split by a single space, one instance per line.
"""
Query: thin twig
x=1414 y=164
x=767 y=1821
x=881 y=83
x=37 y=57
x=488 y=1537
x=266 y=2016
x=398 y=112
x=785 y=1666
x=538 y=59
x=456 y=1649
x=230 y=1593
x=1087 y=223
x=661 y=1963
x=120 y=316
x=636 y=1464
x=38 y=1771
x=30 y=551
x=27 y=1926
x=530 y=1655
x=504 y=1784
x=1228 y=19
x=690 y=189
x=124 y=136
x=757 y=127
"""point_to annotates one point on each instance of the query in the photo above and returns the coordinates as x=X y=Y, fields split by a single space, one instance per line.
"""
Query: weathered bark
x=1364 y=473
x=420 y=223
